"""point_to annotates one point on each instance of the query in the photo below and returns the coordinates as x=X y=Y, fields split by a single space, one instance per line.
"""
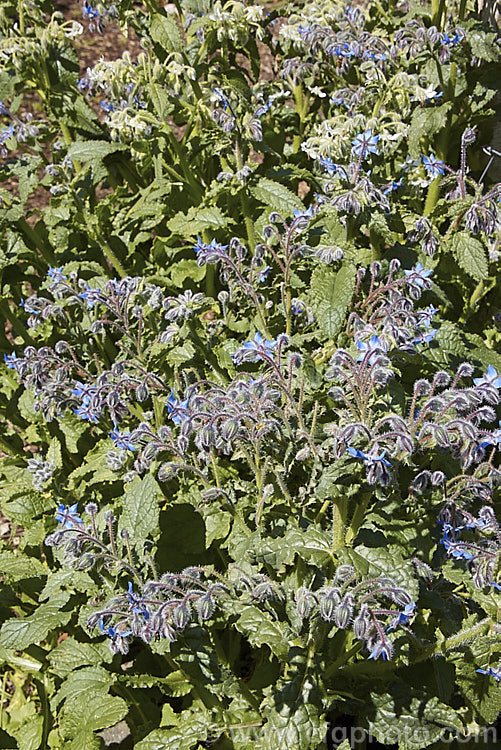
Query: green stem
x=358 y=518
x=20 y=12
x=244 y=199
x=339 y=512
x=432 y=197
x=17 y=324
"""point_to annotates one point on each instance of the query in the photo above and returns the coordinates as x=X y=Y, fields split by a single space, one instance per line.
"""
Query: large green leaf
x=91 y=711
x=140 y=509
x=71 y=654
x=16 y=566
x=198 y=220
x=331 y=294
x=21 y=632
x=165 y=31
x=470 y=255
x=85 y=680
x=93 y=150
x=410 y=719
x=260 y=627
x=191 y=729
x=277 y=197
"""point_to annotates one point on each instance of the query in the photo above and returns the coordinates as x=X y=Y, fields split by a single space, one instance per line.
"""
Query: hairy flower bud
x=142 y=392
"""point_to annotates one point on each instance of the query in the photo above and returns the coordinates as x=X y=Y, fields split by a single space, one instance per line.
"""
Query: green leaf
x=470 y=255
x=409 y=719
x=91 y=712
x=95 y=465
x=54 y=455
x=160 y=99
x=425 y=122
x=21 y=632
x=187 y=268
x=484 y=45
x=294 y=717
x=24 y=508
x=93 y=151
x=378 y=561
x=277 y=197
x=175 y=684
x=30 y=734
x=331 y=294
x=197 y=220
x=87 y=679
x=450 y=341
x=16 y=567
x=140 y=509
x=70 y=654
x=190 y=730
x=261 y=628
x=164 y=30
x=72 y=429
x=66 y=579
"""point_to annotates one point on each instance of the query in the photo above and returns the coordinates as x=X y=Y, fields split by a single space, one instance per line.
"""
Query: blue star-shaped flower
x=178 y=410
x=403 y=618
x=435 y=167
x=365 y=143
x=373 y=346
x=56 y=274
x=121 y=440
x=68 y=516
x=418 y=275
x=491 y=377
x=380 y=649
x=10 y=360
x=263 y=274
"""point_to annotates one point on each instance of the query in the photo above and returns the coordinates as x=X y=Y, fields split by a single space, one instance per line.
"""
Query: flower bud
x=205 y=606
x=181 y=616
x=142 y=392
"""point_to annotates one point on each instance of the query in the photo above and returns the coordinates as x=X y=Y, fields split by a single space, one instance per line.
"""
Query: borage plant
x=253 y=453
x=273 y=549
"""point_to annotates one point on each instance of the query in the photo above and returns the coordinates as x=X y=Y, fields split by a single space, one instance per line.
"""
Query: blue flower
x=424 y=337
x=367 y=457
x=372 y=347
x=395 y=185
x=254 y=349
x=403 y=618
x=121 y=440
x=491 y=377
x=213 y=245
x=454 y=549
x=497 y=586
x=365 y=143
x=107 y=106
x=89 y=12
x=263 y=273
x=452 y=41
x=381 y=649
x=435 y=167
x=178 y=410
x=89 y=295
x=496 y=673
x=418 y=275
x=68 y=516
x=308 y=212
x=426 y=316
x=136 y=602
x=493 y=439
x=10 y=360
x=86 y=410
x=56 y=273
